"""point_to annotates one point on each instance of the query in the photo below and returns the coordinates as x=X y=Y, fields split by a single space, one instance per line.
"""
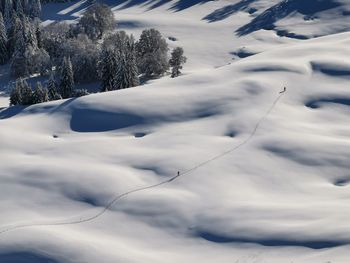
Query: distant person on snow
x=284 y=90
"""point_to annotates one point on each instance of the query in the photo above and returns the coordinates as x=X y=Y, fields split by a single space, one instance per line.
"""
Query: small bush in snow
x=80 y=92
x=176 y=61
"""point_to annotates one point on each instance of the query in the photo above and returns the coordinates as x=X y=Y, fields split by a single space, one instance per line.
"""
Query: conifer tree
x=26 y=7
x=51 y=86
x=15 y=96
x=66 y=86
x=108 y=69
x=35 y=9
x=19 y=7
x=21 y=94
x=8 y=10
x=127 y=73
x=29 y=34
x=40 y=94
x=3 y=42
x=19 y=65
x=16 y=25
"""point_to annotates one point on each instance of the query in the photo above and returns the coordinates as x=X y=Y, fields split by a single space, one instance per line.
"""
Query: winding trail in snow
x=120 y=196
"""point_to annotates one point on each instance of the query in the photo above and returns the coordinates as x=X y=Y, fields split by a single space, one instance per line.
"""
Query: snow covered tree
x=28 y=58
x=122 y=68
x=35 y=9
x=38 y=36
x=19 y=66
x=127 y=72
x=97 y=20
x=15 y=96
x=19 y=7
x=108 y=69
x=26 y=93
x=39 y=62
x=26 y=7
x=54 y=37
x=29 y=34
x=16 y=25
x=85 y=55
x=3 y=42
x=40 y=94
x=51 y=87
x=152 y=54
x=176 y=61
x=8 y=10
x=21 y=94
x=66 y=86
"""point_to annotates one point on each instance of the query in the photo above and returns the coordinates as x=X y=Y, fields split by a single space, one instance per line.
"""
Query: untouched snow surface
x=281 y=196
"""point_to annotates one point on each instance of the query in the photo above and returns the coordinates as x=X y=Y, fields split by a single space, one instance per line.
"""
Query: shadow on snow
x=268 y=18
x=271 y=242
x=25 y=257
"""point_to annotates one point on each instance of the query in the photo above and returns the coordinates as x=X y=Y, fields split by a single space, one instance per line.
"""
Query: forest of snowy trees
x=68 y=54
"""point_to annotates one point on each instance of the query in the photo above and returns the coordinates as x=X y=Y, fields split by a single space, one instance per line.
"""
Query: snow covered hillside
x=264 y=175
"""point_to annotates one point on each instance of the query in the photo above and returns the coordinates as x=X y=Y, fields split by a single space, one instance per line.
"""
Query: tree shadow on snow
x=63 y=11
x=152 y=4
x=87 y=120
x=272 y=242
x=25 y=257
x=317 y=103
x=10 y=112
x=225 y=12
x=268 y=18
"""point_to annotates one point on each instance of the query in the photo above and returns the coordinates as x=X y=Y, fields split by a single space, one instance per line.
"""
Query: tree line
x=87 y=51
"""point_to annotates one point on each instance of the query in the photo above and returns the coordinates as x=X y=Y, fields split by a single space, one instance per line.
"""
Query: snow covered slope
x=264 y=176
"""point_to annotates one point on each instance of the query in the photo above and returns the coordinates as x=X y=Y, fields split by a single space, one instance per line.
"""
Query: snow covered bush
x=80 y=92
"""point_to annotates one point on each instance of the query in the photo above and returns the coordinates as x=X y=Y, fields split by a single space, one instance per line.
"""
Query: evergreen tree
x=21 y=94
x=3 y=42
x=8 y=10
x=67 y=79
x=108 y=69
x=27 y=57
x=127 y=73
x=35 y=9
x=176 y=61
x=38 y=36
x=29 y=34
x=19 y=7
x=19 y=67
x=26 y=7
x=151 y=52
x=51 y=86
x=40 y=94
x=26 y=93
x=15 y=96
x=16 y=25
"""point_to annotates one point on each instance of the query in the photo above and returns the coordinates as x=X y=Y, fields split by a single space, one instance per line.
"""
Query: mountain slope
x=282 y=196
